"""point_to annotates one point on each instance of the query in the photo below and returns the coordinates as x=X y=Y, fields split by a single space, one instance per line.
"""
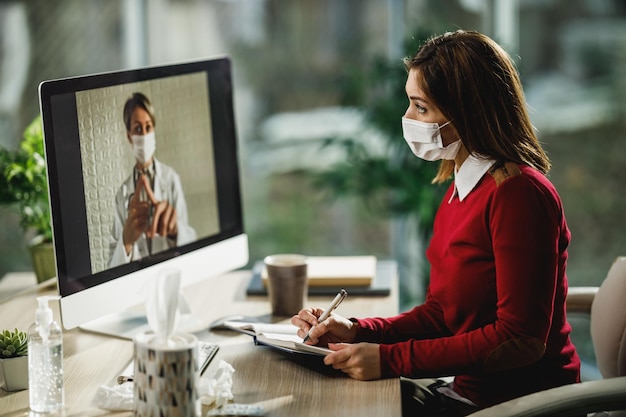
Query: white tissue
x=115 y=398
x=162 y=305
x=217 y=387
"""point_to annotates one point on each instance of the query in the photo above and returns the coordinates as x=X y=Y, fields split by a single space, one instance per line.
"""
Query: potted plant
x=23 y=185
x=14 y=359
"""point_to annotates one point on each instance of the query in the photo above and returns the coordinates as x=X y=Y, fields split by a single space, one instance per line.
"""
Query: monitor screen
x=143 y=175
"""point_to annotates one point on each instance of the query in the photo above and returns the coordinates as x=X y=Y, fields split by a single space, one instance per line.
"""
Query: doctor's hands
x=164 y=219
x=138 y=214
x=360 y=361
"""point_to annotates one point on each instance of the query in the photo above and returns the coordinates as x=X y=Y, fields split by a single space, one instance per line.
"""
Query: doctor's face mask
x=425 y=141
x=143 y=147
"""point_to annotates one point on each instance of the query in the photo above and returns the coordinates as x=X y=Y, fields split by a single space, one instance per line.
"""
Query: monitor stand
x=129 y=323
x=124 y=325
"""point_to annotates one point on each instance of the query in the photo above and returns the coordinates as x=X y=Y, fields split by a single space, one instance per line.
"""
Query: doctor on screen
x=151 y=213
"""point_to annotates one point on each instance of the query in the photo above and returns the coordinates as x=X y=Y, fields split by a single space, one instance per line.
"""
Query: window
x=290 y=58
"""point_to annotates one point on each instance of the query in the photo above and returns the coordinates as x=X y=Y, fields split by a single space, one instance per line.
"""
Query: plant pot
x=42 y=254
x=15 y=373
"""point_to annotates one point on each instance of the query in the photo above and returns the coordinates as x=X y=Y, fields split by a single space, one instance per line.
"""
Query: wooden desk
x=282 y=384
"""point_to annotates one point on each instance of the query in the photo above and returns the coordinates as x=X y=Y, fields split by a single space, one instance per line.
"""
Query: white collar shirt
x=467 y=177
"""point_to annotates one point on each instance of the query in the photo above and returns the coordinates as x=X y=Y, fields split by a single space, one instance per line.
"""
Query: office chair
x=605 y=397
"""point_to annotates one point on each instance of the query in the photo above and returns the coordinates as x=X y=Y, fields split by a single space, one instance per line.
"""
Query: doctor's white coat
x=167 y=186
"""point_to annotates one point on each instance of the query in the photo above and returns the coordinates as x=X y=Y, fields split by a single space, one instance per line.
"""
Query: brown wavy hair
x=474 y=83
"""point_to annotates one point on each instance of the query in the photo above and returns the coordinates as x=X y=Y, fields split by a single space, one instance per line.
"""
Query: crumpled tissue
x=115 y=398
x=217 y=387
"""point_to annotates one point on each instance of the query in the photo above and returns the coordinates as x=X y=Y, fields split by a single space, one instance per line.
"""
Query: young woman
x=494 y=314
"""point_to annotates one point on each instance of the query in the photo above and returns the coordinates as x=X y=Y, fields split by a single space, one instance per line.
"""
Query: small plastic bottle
x=45 y=360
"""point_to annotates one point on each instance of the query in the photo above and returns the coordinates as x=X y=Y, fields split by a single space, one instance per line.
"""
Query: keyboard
x=206 y=353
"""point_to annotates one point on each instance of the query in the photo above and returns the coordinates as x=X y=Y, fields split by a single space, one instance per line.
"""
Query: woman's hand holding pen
x=360 y=361
x=334 y=329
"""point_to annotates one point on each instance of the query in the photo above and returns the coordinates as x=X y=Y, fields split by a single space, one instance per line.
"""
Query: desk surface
x=283 y=384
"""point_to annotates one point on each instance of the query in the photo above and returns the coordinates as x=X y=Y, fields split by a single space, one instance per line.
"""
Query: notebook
x=280 y=336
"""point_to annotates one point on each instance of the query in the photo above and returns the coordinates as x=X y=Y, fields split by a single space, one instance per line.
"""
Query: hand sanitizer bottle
x=45 y=360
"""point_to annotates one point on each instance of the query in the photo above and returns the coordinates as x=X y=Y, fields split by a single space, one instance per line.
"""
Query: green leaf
x=24 y=181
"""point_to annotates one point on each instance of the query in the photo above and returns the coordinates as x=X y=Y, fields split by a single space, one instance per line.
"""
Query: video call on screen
x=93 y=159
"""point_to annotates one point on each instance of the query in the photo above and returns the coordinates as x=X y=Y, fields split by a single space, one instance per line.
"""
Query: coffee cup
x=287 y=283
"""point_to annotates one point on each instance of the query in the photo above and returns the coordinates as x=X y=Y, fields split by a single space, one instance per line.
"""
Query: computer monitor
x=99 y=132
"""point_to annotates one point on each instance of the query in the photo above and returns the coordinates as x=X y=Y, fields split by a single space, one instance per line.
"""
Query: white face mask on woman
x=425 y=141
x=143 y=147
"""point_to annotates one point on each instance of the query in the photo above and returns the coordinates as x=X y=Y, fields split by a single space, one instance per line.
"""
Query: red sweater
x=494 y=314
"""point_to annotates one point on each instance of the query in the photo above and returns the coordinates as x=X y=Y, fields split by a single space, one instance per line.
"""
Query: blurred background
x=319 y=93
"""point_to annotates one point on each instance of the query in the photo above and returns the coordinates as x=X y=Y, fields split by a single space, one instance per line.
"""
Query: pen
x=333 y=305
x=121 y=379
